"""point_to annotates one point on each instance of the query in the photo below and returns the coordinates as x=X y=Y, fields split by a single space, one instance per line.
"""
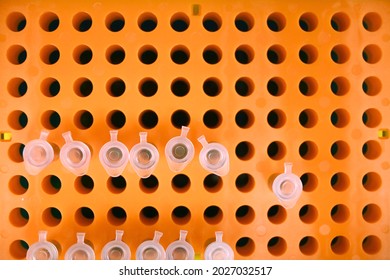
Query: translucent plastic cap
x=114 y=155
x=75 y=155
x=80 y=250
x=180 y=249
x=151 y=249
x=287 y=187
x=116 y=249
x=179 y=151
x=38 y=154
x=144 y=157
x=43 y=249
x=214 y=157
x=218 y=250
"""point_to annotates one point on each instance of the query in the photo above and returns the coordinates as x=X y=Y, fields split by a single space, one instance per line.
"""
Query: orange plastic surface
x=300 y=81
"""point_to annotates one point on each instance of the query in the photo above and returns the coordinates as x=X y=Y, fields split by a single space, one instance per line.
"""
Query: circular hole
x=83 y=87
x=16 y=21
x=212 y=54
x=276 y=150
x=84 y=216
x=148 y=119
x=308 y=54
x=276 y=54
x=50 y=87
x=147 y=55
x=340 y=181
x=276 y=22
x=212 y=22
x=51 y=216
x=277 y=246
x=50 y=54
x=116 y=184
x=180 y=118
x=116 y=216
x=84 y=184
x=115 y=22
x=18 y=184
x=180 y=22
x=149 y=215
x=51 y=184
x=18 y=249
x=50 y=119
x=83 y=119
x=245 y=182
x=244 y=22
x=340 y=213
x=340 y=86
x=245 y=214
x=180 y=87
x=148 y=87
x=372 y=181
x=181 y=183
x=82 y=22
x=244 y=118
x=340 y=54
x=308 y=118
x=372 y=21
x=115 y=54
x=149 y=185
x=308 y=150
x=212 y=183
x=372 y=244
x=49 y=22
x=340 y=149
x=340 y=21
x=212 y=119
x=17 y=87
x=308 y=22
x=277 y=214
x=372 y=54
x=340 y=245
x=276 y=86
x=116 y=87
x=276 y=118
x=116 y=119
x=212 y=87
x=372 y=213
x=372 y=86
x=180 y=54
x=372 y=117
x=308 y=86
x=309 y=182
x=19 y=217
x=244 y=86
x=340 y=118
x=17 y=120
x=213 y=215
x=181 y=215
x=15 y=152
x=16 y=54
x=147 y=22
x=308 y=245
x=82 y=54
x=244 y=150
x=244 y=54
x=308 y=214
x=372 y=149
x=245 y=246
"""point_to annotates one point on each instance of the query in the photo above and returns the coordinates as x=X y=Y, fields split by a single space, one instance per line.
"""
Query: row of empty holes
x=180 y=22
x=244 y=54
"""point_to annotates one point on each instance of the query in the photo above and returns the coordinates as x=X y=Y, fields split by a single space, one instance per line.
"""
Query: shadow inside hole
x=180 y=118
x=180 y=87
x=244 y=87
x=213 y=214
x=148 y=119
x=116 y=184
x=181 y=183
x=244 y=182
x=148 y=87
x=149 y=215
x=276 y=214
x=212 y=119
x=150 y=184
x=212 y=87
x=212 y=183
x=211 y=56
x=117 y=119
x=117 y=215
x=181 y=215
x=245 y=246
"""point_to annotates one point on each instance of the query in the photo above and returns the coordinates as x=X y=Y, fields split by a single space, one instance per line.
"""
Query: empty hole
x=212 y=183
x=244 y=22
x=245 y=214
x=116 y=184
x=50 y=119
x=84 y=216
x=181 y=183
x=276 y=54
x=51 y=184
x=212 y=22
x=83 y=119
x=148 y=119
x=308 y=86
x=244 y=118
x=340 y=86
x=17 y=87
x=340 y=213
x=115 y=22
x=180 y=118
x=148 y=87
x=308 y=118
x=340 y=118
x=372 y=54
x=276 y=22
x=115 y=54
x=372 y=213
x=276 y=118
x=340 y=21
x=309 y=182
x=83 y=87
x=19 y=217
x=149 y=185
x=18 y=184
x=180 y=87
x=116 y=119
x=277 y=246
x=372 y=117
x=50 y=54
x=213 y=215
x=276 y=86
x=371 y=181
x=308 y=54
x=149 y=215
x=180 y=54
x=17 y=120
x=372 y=86
x=244 y=150
x=50 y=87
x=49 y=21
x=116 y=216
x=84 y=184
x=180 y=22
x=212 y=119
x=308 y=245
x=16 y=54
x=181 y=215
x=245 y=246
x=308 y=150
x=340 y=245
x=340 y=181
x=18 y=249
x=82 y=54
x=276 y=214
x=308 y=22
x=244 y=54
x=276 y=150
x=16 y=21
x=147 y=22
x=340 y=54
x=116 y=87
x=372 y=244
x=372 y=21
x=212 y=87
x=82 y=22
x=244 y=86
x=212 y=54
x=308 y=214
x=340 y=149
x=15 y=152
x=245 y=182
x=51 y=216
x=372 y=149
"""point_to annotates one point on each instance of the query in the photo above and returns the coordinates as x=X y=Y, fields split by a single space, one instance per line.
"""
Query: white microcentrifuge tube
x=287 y=187
x=144 y=157
x=180 y=249
x=214 y=157
x=38 y=154
x=75 y=155
x=179 y=151
x=43 y=249
x=114 y=155
x=80 y=250
x=218 y=250
x=151 y=249
x=116 y=249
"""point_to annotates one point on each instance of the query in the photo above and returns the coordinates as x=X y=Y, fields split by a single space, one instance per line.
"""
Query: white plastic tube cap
x=180 y=249
x=214 y=157
x=75 y=155
x=144 y=157
x=114 y=155
x=116 y=249
x=43 y=249
x=287 y=187
x=80 y=250
x=179 y=151
x=151 y=249
x=38 y=154
x=218 y=250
